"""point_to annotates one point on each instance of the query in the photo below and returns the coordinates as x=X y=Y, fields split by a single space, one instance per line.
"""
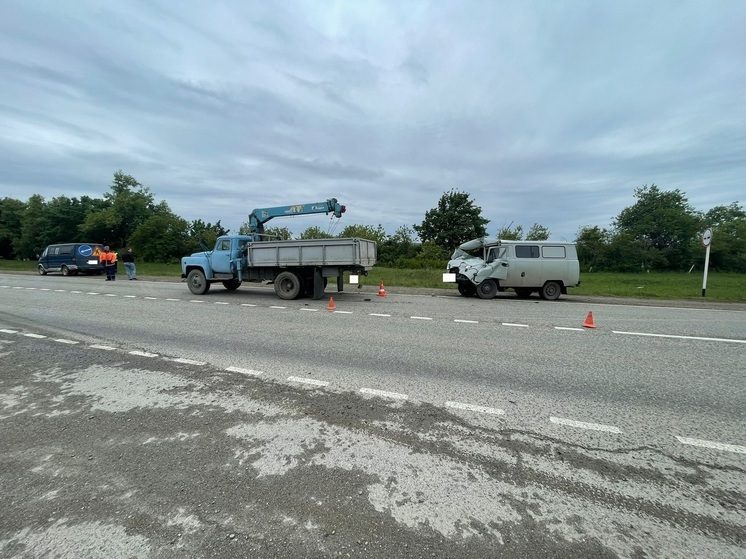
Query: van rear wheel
x=65 y=271
x=550 y=291
x=487 y=289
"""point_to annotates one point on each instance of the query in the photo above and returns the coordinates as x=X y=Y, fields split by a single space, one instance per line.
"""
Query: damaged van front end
x=475 y=272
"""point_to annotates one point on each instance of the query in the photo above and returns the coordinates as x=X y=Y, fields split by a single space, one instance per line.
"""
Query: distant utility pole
x=706 y=241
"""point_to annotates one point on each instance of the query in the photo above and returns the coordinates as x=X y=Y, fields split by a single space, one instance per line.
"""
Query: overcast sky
x=549 y=111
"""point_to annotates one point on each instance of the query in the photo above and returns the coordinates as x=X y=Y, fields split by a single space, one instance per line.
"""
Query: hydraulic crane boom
x=259 y=216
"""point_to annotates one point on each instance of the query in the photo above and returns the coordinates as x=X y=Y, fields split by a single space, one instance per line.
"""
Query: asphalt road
x=237 y=424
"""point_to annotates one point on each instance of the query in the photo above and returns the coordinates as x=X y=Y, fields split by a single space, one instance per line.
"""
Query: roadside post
x=706 y=242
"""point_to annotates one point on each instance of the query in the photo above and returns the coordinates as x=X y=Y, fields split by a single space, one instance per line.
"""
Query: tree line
x=660 y=231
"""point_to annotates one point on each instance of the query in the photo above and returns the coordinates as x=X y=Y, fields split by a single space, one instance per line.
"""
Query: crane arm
x=259 y=216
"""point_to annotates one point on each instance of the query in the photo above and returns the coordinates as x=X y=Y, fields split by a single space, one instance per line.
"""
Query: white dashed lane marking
x=420 y=317
x=104 y=347
x=248 y=305
x=276 y=307
x=378 y=314
x=712 y=444
x=17 y=287
x=44 y=289
x=250 y=372
x=151 y=298
x=310 y=310
x=143 y=353
x=585 y=425
x=515 y=325
x=59 y=290
x=35 y=336
x=311 y=381
x=110 y=295
x=221 y=303
x=92 y=293
x=78 y=292
x=567 y=328
x=465 y=321
x=64 y=341
x=384 y=393
x=733 y=341
x=8 y=331
x=342 y=312
x=185 y=361
x=173 y=299
x=30 y=288
x=196 y=301
x=478 y=409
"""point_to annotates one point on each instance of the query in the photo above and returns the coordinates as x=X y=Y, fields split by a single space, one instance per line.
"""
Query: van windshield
x=474 y=253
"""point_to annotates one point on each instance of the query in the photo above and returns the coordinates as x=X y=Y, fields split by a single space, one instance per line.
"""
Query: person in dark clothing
x=129 y=263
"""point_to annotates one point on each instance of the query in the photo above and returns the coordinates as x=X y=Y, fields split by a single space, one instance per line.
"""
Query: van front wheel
x=551 y=291
x=487 y=289
x=42 y=271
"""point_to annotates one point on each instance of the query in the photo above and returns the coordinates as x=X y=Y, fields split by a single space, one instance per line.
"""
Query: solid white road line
x=567 y=328
x=143 y=353
x=384 y=394
x=342 y=312
x=466 y=321
x=514 y=324
x=35 y=336
x=250 y=372
x=478 y=409
x=312 y=381
x=420 y=317
x=64 y=341
x=310 y=310
x=104 y=347
x=276 y=307
x=8 y=331
x=585 y=425
x=185 y=361
x=713 y=444
x=731 y=340
x=247 y=305
x=378 y=314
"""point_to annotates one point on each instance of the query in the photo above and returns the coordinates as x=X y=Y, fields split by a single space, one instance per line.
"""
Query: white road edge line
x=568 y=328
x=143 y=353
x=35 y=336
x=312 y=381
x=466 y=321
x=243 y=371
x=378 y=314
x=585 y=425
x=478 y=409
x=64 y=341
x=515 y=324
x=384 y=394
x=104 y=347
x=712 y=444
x=420 y=317
x=185 y=361
x=8 y=331
x=733 y=341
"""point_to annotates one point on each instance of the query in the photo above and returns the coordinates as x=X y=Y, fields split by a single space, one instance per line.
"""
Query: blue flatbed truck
x=299 y=268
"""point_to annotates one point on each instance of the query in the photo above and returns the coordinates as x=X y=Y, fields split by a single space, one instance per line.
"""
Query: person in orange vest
x=109 y=259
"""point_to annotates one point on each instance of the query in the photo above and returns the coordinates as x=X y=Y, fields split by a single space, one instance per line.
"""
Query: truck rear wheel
x=287 y=285
x=487 y=289
x=232 y=285
x=467 y=289
x=197 y=282
x=551 y=291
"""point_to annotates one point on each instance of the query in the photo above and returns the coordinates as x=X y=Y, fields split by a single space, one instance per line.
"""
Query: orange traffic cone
x=589 y=321
x=332 y=306
x=381 y=290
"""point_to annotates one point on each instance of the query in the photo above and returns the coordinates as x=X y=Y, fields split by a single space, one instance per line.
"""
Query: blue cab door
x=221 y=257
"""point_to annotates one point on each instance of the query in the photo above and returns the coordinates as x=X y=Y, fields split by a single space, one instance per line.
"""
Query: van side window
x=66 y=249
x=553 y=252
x=526 y=251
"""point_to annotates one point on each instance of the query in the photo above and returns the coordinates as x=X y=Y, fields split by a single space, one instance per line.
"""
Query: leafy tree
x=593 y=248
x=277 y=234
x=454 y=220
x=35 y=229
x=377 y=234
x=509 y=233
x=397 y=248
x=663 y=221
x=537 y=232
x=728 y=251
x=315 y=233
x=203 y=235
x=161 y=238
x=11 y=213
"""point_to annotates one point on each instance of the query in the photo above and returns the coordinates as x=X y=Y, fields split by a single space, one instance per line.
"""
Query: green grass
x=720 y=286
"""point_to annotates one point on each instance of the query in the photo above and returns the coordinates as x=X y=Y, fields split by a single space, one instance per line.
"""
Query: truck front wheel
x=467 y=289
x=232 y=285
x=487 y=289
x=287 y=285
x=197 y=282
